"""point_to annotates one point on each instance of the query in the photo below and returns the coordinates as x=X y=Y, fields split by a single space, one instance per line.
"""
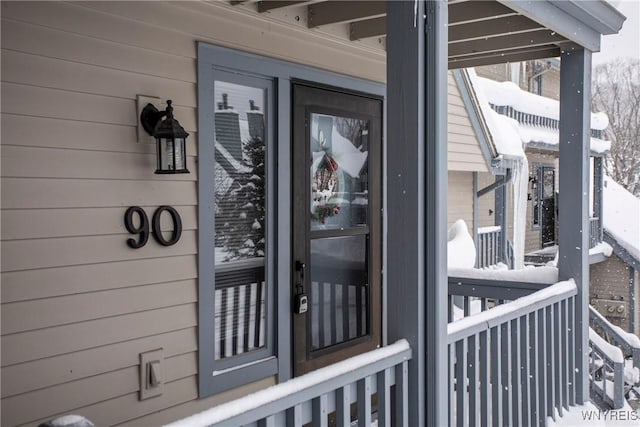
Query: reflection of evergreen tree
x=240 y=219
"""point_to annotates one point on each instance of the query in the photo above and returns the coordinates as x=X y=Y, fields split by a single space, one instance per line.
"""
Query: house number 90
x=142 y=229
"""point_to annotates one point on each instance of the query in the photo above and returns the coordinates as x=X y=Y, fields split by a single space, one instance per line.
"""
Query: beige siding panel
x=52 y=282
x=461 y=166
x=459 y=120
x=462 y=156
x=34 y=193
x=486 y=203
x=47 y=223
x=54 y=103
x=18 y=316
x=59 y=74
x=77 y=18
x=460 y=129
x=30 y=162
x=33 y=345
x=460 y=198
x=88 y=50
x=45 y=132
x=222 y=24
x=17 y=379
x=86 y=391
x=179 y=400
x=66 y=251
x=463 y=138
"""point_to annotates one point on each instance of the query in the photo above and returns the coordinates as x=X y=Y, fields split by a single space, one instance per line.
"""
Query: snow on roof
x=504 y=129
x=621 y=216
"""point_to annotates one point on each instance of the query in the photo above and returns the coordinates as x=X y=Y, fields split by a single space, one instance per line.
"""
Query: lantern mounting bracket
x=149 y=118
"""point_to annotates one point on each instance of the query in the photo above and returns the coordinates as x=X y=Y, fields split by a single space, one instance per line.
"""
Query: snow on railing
x=310 y=398
x=514 y=364
x=606 y=371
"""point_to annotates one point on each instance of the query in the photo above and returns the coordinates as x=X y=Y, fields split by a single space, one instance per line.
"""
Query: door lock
x=301 y=301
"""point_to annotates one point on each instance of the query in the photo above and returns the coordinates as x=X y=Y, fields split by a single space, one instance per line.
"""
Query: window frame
x=215 y=60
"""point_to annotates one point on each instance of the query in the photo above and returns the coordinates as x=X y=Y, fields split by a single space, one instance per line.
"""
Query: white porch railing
x=324 y=393
x=513 y=364
x=606 y=371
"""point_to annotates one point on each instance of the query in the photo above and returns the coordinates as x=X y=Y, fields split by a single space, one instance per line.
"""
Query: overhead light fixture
x=170 y=139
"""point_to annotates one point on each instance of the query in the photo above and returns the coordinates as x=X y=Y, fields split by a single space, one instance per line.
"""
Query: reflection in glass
x=339 y=294
x=239 y=172
x=339 y=173
x=240 y=287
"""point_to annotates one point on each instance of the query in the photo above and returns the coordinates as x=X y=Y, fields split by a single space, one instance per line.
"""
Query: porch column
x=416 y=199
x=501 y=217
x=573 y=262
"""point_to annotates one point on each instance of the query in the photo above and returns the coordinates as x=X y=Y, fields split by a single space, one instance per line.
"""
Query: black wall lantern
x=170 y=138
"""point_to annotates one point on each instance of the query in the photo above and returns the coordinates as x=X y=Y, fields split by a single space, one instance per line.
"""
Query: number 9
x=142 y=229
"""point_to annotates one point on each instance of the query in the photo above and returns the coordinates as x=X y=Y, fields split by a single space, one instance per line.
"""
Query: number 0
x=177 y=226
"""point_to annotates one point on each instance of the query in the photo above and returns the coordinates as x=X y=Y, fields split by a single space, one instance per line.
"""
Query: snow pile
x=601 y=248
x=611 y=351
x=461 y=251
x=508 y=135
x=621 y=216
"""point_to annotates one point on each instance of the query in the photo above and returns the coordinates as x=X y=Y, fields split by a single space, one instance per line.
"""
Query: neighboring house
x=333 y=261
x=613 y=277
x=615 y=281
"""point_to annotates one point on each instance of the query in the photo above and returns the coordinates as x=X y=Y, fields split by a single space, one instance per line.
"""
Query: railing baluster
x=467 y=306
x=319 y=411
x=332 y=311
x=345 y=312
x=461 y=382
x=525 y=370
x=452 y=389
x=505 y=354
x=551 y=356
x=559 y=356
x=384 y=398
x=516 y=367
x=564 y=327
x=572 y=353
x=364 y=402
x=496 y=387
x=294 y=416
x=269 y=421
x=343 y=406
x=450 y=305
x=473 y=380
x=535 y=368
x=542 y=368
x=618 y=383
x=402 y=392
x=484 y=378
x=321 y=315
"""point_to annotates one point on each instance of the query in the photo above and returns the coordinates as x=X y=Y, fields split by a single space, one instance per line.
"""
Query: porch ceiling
x=481 y=32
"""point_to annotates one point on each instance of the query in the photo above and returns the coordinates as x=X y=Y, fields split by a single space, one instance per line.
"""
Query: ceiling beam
x=481 y=29
x=517 y=55
x=333 y=12
x=375 y=27
x=477 y=10
x=266 y=6
x=504 y=43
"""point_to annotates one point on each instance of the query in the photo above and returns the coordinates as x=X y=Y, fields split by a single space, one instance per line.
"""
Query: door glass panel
x=339 y=191
x=240 y=196
x=339 y=290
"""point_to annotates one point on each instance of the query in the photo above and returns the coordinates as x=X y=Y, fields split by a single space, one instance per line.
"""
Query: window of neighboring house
x=241 y=302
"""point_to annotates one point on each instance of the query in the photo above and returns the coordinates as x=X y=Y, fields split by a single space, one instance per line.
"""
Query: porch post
x=416 y=199
x=573 y=262
x=501 y=217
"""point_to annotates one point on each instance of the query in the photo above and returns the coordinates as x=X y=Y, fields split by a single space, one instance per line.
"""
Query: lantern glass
x=171 y=155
